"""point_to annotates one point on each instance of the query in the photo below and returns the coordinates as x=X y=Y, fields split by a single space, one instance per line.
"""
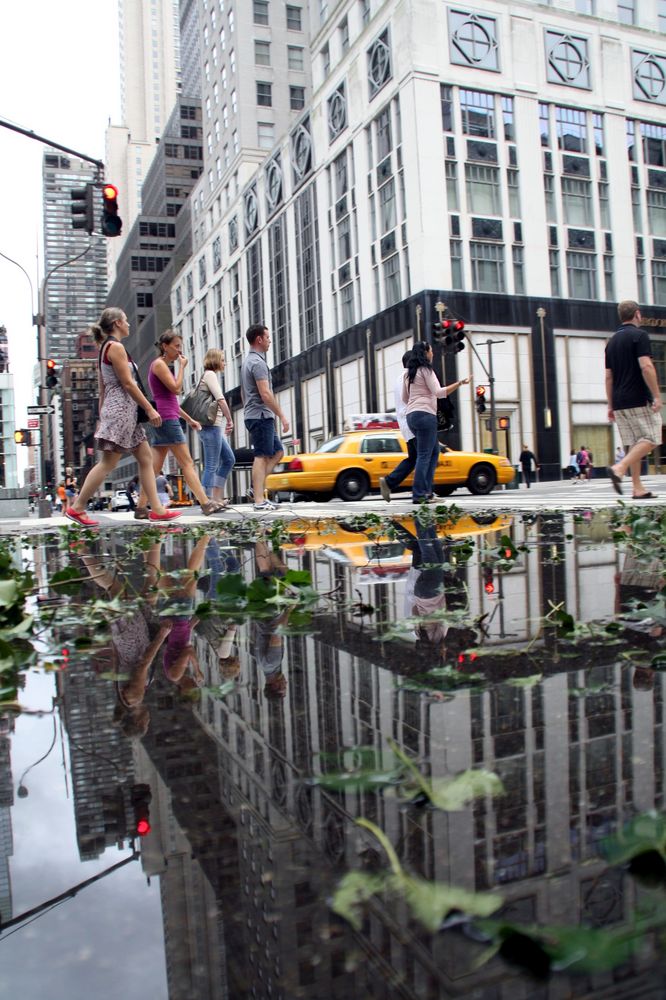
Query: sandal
x=213 y=507
x=140 y=513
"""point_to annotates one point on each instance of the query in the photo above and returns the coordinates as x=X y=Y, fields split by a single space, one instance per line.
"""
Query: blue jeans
x=405 y=468
x=218 y=458
x=423 y=426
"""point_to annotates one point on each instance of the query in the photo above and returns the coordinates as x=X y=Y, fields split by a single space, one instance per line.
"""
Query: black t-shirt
x=622 y=353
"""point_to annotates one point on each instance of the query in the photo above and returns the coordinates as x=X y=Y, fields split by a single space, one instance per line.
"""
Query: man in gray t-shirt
x=260 y=408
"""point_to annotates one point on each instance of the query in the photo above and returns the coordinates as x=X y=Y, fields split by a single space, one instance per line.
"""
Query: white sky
x=59 y=77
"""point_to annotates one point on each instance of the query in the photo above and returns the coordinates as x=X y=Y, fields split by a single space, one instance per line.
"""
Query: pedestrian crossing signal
x=480 y=399
x=22 y=436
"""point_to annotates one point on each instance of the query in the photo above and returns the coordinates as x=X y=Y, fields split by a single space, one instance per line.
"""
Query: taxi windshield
x=331 y=445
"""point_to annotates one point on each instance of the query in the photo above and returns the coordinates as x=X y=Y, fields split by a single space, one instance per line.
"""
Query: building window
x=217 y=253
x=343 y=30
x=544 y=124
x=582 y=275
x=387 y=207
x=640 y=279
x=487 y=260
x=262 y=52
x=255 y=283
x=483 y=189
x=296 y=98
x=626 y=11
x=446 y=100
x=656 y=212
x=365 y=11
x=264 y=95
x=554 y=263
x=549 y=194
x=456 y=264
x=609 y=280
x=307 y=262
x=279 y=279
x=604 y=207
x=571 y=128
x=661 y=14
x=658 y=282
x=347 y=311
x=507 y=118
x=478 y=113
x=294 y=18
x=265 y=135
x=585 y=7
x=295 y=59
x=326 y=59
x=392 y=288
x=344 y=240
x=323 y=10
x=260 y=11
x=577 y=202
x=514 y=193
x=598 y=129
x=451 y=170
x=518 y=271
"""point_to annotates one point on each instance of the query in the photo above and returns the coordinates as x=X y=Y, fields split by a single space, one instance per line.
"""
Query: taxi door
x=379 y=454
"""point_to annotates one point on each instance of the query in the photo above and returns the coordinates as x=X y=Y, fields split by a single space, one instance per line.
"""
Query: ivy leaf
x=454 y=794
x=231 y=587
x=355 y=889
x=430 y=902
x=8 y=593
x=62 y=580
x=525 y=682
x=641 y=834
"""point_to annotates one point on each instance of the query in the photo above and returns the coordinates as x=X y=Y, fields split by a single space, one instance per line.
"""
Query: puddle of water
x=251 y=697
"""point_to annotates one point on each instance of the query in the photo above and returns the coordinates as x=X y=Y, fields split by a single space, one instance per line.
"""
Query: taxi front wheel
x=352 y=485
x=482 y=479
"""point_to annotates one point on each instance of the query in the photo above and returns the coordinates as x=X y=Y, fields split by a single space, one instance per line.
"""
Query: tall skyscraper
x=76 y=294
x=8 y=469
x=149 y=83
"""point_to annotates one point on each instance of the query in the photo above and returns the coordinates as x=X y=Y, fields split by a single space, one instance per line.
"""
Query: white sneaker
x=265 y=505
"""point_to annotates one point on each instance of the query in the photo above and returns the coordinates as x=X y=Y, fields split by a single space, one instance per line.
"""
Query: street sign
x=41 y=409
x=33 y=423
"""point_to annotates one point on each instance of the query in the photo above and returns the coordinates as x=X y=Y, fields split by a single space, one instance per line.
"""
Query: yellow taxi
x=351 y=464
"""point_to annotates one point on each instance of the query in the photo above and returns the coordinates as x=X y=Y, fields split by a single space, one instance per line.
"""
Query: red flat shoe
x=168 y=515
x=81 y=518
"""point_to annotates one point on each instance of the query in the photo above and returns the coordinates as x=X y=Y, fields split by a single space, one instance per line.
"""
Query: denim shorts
x=265 y=441
x=171 y=432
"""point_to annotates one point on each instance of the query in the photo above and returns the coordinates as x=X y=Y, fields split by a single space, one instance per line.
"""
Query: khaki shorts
x=638 y=424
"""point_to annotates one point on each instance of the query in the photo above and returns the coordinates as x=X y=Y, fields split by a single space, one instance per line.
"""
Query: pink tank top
x=166 y=402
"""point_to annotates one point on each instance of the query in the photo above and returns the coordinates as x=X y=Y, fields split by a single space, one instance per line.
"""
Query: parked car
x=350 y=465
x=120 y=501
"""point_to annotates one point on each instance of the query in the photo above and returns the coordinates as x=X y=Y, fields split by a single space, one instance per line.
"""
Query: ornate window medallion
x=473 y=40
x=337 y=112
x=649 y=72
x=273 y=183
x=567 y=61
x=379 y=63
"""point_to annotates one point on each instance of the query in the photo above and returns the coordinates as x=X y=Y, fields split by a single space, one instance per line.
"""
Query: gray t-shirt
x=254 y=367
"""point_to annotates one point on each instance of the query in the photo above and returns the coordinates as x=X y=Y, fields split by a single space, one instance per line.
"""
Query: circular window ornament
x=337 y=114
x=302 y=151
x=651 y=79
x=474 y=42
x=379 y=59
x=273 y=184
x=251 y=211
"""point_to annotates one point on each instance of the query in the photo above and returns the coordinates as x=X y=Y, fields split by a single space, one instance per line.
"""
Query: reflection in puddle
x=231 y=705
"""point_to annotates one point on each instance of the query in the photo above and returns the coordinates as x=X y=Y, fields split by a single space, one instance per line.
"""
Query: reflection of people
x=218 y=453
x=421 y=390
x=260 y=408
x=267 y=643
x=406 y=467
x=166 y=386
x=634 y=400
x=528 y=463
x=118 y=431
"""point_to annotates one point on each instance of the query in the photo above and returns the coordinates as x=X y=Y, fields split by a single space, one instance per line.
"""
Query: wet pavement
x=354 y=757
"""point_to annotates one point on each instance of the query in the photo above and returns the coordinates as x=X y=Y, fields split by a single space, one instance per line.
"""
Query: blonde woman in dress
x=118 y=432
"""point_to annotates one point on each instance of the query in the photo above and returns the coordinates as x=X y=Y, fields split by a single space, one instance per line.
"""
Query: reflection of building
x=79 y=404
x=100 y=757
x=8 y=468
x=6 y=802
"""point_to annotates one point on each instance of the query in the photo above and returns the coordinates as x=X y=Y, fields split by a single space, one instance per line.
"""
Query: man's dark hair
x=405 y=358
x=627 y=309
x=255 y=331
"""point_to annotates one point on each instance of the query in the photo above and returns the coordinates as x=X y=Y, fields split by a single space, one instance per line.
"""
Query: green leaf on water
x=454 y=794
x=355 y=889
x=8 y=593
x=643 y=833
x=430 y=902
x=525 y=682
x=66 y=581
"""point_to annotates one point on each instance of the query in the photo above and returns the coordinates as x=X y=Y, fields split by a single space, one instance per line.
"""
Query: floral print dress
x=117 y=429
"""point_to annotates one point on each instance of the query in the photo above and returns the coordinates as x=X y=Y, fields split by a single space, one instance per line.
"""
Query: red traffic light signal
x=112 y=224
x=51 y=380
x=455 y=336
x=480 y=399
x=141 y=796
x=488 y=582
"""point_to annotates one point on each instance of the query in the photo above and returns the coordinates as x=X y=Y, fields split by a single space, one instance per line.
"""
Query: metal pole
x=493 y=411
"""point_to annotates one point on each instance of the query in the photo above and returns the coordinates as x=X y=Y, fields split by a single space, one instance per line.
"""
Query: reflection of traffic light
x=51 y=373
x=488 y=582
x=141 y=796
x=22 y=437
x=480 y=399
x=83 y=208
x=112 y=224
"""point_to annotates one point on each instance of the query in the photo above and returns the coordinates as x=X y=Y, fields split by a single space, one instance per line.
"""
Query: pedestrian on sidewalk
x=218 y=454
x=118 y=432
x=634 y=400
x=166 y=385
x=260 y=408
x=528 y=463
x=574 y=468
x=420 y=391
x=407 y=466
x=583 y=460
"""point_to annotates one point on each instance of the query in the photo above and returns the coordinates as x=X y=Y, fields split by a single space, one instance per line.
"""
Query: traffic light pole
x=491 y=382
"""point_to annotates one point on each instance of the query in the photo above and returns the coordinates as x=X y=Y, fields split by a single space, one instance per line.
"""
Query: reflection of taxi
x=351 y=464
x=375 y=552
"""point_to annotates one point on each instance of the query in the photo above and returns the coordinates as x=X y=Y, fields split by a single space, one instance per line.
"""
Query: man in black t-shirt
x=634 y=401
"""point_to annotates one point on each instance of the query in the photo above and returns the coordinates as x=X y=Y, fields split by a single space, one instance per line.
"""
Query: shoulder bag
x=201 y=405
x=142 y=416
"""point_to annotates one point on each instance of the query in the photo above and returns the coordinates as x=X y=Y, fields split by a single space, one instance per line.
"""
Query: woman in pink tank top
x=166 y=385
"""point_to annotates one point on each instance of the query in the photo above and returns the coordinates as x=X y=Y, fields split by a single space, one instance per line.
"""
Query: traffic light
x=141 y=796
x=22 y=437
x=454 y=330
x=51 y=373
x=504 y=423
x=112 y=224
x=480 y=399
x=438 y=332
x=488 y=582
x=83 y=208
